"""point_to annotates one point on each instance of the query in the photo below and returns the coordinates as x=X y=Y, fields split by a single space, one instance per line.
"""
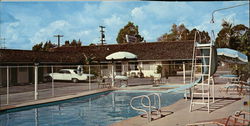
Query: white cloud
x=147 y=36
x=137 y=13
x=56 y=27
x=81 y=21
x=113 y=21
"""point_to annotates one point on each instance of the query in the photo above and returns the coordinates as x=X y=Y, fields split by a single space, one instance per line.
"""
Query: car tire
x=48 y=79
x=74 y=80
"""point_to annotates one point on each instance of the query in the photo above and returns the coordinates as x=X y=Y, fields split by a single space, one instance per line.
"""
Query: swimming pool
x=93 y=110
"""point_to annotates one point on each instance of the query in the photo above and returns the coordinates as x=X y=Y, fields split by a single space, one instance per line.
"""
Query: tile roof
x=181 y=50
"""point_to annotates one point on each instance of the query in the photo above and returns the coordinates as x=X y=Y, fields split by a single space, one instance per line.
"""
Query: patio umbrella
x=117 y=56
x=232 y=56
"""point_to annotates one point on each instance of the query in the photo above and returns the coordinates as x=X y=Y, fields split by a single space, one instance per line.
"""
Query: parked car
x=68 y=75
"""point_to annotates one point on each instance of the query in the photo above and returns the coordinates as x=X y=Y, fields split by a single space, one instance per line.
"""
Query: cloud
x=113 y=21
x=147 y=36
x=138 y=14
x=6 y=17
x=56 y=27
x=27 y=24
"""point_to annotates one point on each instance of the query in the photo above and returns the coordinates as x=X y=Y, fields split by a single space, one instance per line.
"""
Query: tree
x=43 y=47
x=79 y=43
x=66 y=43
x=234 y=37
x=38 y=47
x=224 y=35
x=48 y=45
x=73 y=43
x=129 y=29
x=179 y=33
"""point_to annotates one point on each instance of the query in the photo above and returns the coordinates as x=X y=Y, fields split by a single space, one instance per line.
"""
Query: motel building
x=150 y=55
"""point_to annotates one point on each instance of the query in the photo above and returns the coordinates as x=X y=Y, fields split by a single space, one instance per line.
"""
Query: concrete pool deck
x=178 y=114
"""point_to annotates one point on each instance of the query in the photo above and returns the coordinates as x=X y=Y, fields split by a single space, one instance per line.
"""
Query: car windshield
x=61 y=71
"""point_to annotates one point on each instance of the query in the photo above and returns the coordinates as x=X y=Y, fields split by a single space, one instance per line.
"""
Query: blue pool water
x=94 y=110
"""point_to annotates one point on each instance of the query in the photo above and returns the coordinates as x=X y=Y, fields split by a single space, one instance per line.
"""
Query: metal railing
x=155 y=106
x=148 y=113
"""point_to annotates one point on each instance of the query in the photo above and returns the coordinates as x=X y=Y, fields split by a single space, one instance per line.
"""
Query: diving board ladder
x=201 y=92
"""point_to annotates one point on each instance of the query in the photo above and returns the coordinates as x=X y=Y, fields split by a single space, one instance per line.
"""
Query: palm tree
x=223 y=39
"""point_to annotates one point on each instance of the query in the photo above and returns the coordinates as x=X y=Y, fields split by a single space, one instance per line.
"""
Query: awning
x=121 y=56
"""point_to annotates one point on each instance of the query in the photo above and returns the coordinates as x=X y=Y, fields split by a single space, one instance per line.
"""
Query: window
x=133 y=66
x=75 y=71
x=104 y=66
x=61 y=71
x=66 y=72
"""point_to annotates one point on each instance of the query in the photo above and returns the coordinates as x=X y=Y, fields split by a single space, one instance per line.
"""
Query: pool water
x=100 y=109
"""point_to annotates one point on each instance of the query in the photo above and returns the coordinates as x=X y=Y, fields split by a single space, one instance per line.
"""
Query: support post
x=36 y=80
x=8 y=85
x=89 y=79
x=52 y=81
x=113 y=78
x=184 y=78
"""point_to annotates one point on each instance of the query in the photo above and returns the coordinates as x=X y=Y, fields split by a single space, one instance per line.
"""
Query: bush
x=159 y=69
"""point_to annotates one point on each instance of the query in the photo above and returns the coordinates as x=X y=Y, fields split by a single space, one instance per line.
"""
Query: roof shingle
x=73 y=55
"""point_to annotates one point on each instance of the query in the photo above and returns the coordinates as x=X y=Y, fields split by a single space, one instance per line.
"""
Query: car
x=68 y=75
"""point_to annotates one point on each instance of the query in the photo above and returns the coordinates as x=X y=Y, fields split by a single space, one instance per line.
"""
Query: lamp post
x=212 y=19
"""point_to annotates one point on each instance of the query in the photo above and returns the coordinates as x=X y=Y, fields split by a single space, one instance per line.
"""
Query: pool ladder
x=150 y=107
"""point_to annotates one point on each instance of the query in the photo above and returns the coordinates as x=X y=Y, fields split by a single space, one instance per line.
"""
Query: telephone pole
x=102 y=40
x=58 y=39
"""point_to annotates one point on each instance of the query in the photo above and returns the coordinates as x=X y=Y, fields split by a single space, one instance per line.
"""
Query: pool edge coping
x=54 y=99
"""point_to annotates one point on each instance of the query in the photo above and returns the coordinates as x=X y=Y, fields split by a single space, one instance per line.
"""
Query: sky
x=24 y=24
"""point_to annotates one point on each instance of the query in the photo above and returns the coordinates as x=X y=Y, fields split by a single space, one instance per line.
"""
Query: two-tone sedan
x=69 y=75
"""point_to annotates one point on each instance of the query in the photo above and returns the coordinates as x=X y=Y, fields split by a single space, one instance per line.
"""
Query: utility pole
x=2 y=44
x=58 y=39
x=102 y=40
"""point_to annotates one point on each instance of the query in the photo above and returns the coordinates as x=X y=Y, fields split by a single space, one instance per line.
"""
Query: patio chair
x=240 y=118
x=242 y=87
x=102 y=82
x=233 y=83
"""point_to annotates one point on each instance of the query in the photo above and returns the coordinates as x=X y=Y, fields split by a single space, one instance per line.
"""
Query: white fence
x=19 y=84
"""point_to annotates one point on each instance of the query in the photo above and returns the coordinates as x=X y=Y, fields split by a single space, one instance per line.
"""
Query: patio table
x=121 y=79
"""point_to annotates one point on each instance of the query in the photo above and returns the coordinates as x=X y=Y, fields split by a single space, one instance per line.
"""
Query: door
x=67 y=75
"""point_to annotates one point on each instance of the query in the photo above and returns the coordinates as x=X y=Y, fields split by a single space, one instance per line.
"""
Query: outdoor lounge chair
x=242 y=87
x=239 y=119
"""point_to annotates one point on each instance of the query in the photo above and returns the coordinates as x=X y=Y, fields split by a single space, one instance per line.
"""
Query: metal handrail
x=154 y=106
x=142 y=110
x=149 y=106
